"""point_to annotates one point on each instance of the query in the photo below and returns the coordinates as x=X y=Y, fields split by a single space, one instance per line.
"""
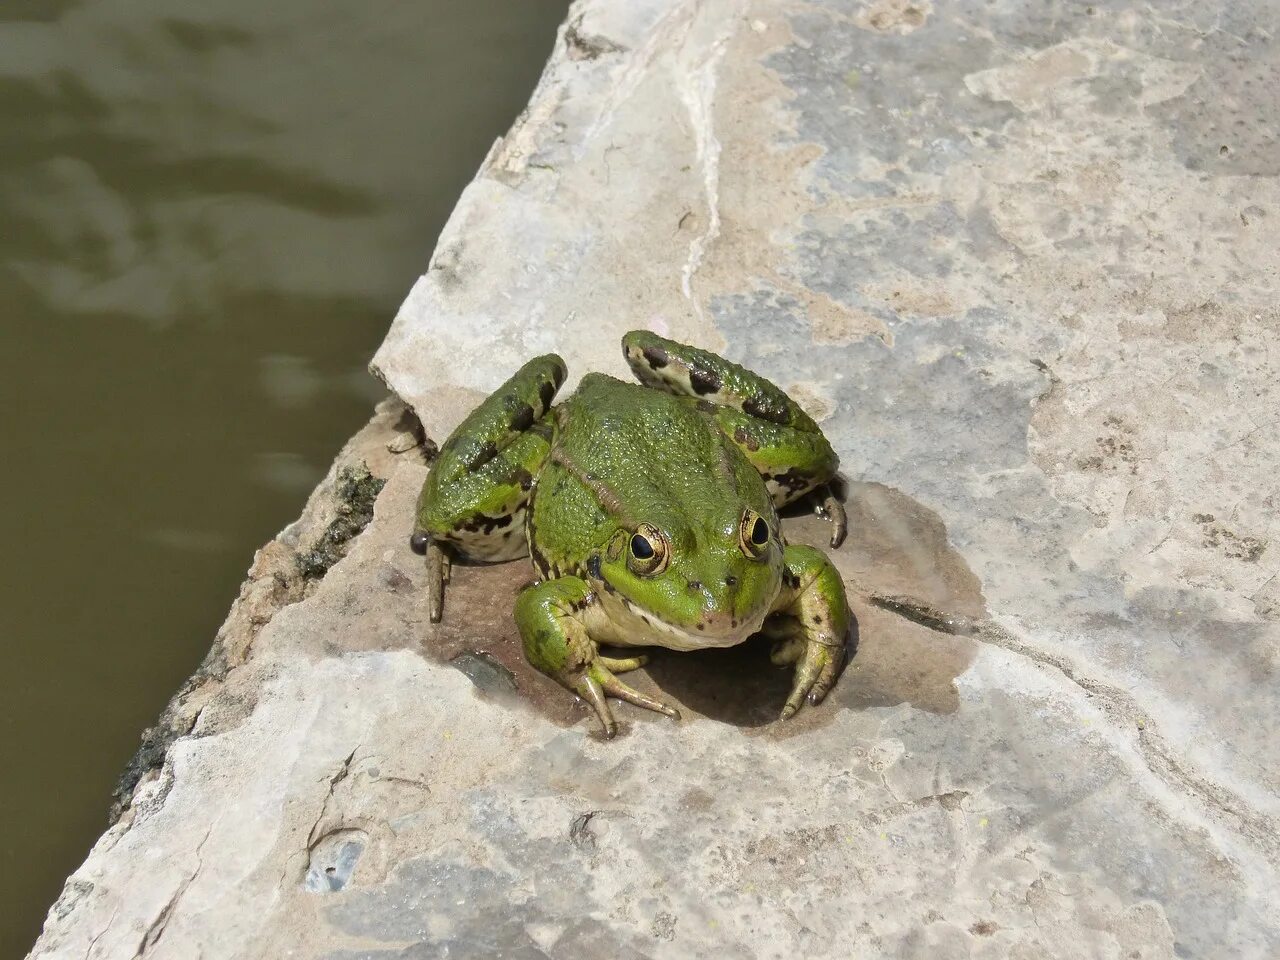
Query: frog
x=649 y=512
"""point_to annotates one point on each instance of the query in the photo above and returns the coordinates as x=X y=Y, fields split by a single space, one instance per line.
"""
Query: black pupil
x=759 y=532
x=641 y=548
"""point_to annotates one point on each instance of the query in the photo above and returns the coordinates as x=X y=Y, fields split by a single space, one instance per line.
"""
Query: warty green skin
x=694 y=462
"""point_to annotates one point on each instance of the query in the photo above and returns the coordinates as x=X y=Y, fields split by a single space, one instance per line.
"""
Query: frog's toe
x=622 y=664
x=601 y=673
x=816 y=673
x=623 y=692
x=830 y=508
x=826 y=678
x=438 y=564
x=591 y=691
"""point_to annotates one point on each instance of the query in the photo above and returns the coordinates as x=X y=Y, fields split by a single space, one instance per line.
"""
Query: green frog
x=650 y=515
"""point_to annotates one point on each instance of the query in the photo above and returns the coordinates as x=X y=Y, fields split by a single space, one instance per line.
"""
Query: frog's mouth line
x=643 y=628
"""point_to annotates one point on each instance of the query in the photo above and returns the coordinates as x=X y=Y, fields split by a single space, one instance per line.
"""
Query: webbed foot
x=817 y=613
x=599 y=682
x=818 y=667
x=554 y=618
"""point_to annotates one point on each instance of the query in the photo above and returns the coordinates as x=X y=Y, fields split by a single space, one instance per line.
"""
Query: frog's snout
x=720 y=604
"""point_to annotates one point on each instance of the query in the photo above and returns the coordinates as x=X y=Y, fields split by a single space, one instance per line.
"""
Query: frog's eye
x=648 y=552
x=755 y=534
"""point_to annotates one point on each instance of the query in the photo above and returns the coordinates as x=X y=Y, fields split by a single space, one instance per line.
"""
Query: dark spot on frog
x=792 y=480
x=703 y=381
x=758 y=406
x=593 y=566
x=523 y=418
x=481 y=523
x=706 y=406
x=482 y=455
x=546 y=393
x=744 y=439
x=656 y=357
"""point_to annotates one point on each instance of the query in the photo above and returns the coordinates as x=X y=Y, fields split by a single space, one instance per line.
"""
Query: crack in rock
x=155 y=930
x=1121 y=709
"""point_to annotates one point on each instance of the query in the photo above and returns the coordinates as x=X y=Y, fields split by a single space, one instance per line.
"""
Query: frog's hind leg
x=779 y=439
x=555 y=621
x=474 y=500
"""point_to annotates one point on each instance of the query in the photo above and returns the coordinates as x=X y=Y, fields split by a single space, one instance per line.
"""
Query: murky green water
x=209 y=213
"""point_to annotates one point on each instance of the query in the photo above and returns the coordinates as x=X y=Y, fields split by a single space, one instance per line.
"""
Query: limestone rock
x=1021 y=260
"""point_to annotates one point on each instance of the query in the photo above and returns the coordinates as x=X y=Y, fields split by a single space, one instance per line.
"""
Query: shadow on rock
x=735 y=685
x=897 y=558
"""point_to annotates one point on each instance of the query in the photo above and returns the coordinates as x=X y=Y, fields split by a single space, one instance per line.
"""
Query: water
x=208 y=215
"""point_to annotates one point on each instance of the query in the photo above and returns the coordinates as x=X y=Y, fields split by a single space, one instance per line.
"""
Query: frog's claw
x=439 y=564
x=815 y=634
x=622 y=664
x=830 y=508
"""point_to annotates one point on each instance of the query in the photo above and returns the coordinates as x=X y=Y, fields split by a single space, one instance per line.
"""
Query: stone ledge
x=1021 y=263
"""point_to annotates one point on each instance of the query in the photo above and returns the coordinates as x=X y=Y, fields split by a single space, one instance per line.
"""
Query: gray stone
x=1020 y=260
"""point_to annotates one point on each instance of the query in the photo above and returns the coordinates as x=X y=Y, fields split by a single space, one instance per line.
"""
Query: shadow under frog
x=910 y=591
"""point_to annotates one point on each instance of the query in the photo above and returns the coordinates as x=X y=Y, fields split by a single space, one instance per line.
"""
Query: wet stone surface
x=998 y=250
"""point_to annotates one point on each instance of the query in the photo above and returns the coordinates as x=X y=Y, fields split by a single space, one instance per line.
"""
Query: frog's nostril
x=730 y=581
x=695 y=585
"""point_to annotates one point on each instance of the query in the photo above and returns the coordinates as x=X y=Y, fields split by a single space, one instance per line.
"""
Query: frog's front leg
x=779 y=439
x=556 y=619
x=815 y=620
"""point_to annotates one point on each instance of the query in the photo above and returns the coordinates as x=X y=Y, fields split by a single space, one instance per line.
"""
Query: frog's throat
x=625 y=623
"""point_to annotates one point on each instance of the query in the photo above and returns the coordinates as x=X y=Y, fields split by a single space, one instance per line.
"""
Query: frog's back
x=626 y=454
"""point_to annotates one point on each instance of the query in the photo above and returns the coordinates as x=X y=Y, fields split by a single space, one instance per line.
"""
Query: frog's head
x=709 y=583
